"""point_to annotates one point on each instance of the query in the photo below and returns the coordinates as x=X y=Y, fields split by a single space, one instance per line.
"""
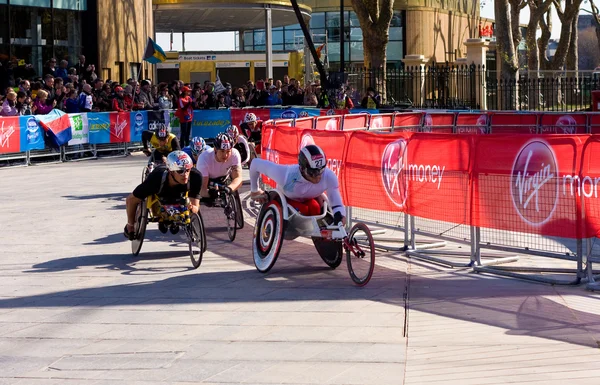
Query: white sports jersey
x=294 y=186
x=242 y=140
x=209 y=167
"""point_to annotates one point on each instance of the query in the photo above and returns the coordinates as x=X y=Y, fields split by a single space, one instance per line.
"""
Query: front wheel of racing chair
x=139 y=229
x=239 y=213
x=196 y=239
x=268 y=233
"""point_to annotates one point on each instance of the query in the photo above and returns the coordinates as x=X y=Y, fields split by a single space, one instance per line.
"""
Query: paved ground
x=76 y=307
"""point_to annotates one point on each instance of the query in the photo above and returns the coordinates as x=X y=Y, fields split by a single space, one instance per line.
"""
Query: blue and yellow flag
x=154 y=54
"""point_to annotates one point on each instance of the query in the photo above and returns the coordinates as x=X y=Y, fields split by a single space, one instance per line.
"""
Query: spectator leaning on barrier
x=86 y=102
x=72 y=104
x=239 y=100
x=118 y=102
x=185 y=113
x=40 y=107
x=9 y=107
x=144 y=98
x=23 y=103
x=128 y=90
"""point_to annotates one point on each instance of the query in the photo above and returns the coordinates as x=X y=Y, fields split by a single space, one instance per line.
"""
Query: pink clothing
x=8 y=110
x=41 y=108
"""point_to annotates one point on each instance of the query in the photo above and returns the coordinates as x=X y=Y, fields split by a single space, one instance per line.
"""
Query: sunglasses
x=313 y=172
x=185 y=171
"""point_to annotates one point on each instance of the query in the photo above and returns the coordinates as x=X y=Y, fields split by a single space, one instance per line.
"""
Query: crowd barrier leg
x=381 y=223
x=78 y=152
x=591 y=275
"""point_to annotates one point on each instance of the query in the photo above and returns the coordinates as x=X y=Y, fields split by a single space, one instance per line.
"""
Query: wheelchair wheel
x=231 y=216
x=196 y=239
x=361 y=256
x=330 y=251
x=141 y=219
x=268 y=235
x=239 y=213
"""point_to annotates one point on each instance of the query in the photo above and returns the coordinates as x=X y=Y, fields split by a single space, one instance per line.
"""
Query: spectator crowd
x=79 y=89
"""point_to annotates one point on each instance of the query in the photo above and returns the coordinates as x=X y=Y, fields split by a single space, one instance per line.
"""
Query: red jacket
x=185 y=109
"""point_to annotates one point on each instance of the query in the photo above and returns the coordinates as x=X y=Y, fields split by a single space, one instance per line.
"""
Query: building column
x=269 y=42
x=415 y=64
x=241 y=40
x=476 y=54
x=183 y=41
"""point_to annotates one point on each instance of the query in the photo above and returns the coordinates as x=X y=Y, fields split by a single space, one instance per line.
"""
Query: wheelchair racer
x=222 y=166
x=171 y=182
x=240 y=143
x=252 y=128
x=163 y=142
x=302 y=184
x=197 y=146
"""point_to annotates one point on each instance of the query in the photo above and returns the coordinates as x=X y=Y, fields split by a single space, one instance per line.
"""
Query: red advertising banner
x=439 y=122
x=355 y=121
x=120 y=131
x=537 y=184
x=514 y=123
x=373 y=170
x=238 y=114
x=561 y=123
x=329 y=123
x=10 y=135
x=472 y=123
x=408 y=121
x=437 y=175
x=381 y=121
x=523 y=184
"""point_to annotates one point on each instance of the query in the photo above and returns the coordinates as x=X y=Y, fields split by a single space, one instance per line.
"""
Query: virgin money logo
x=534 y=183
x=393 y=165
x=5 y=134
x=306 y=140
x=376 y=123
x=566 y=125
x=332 y=125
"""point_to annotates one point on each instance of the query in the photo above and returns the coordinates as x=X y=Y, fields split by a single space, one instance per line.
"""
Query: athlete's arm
x=203 y=169
x=334 y=196
x=196 y=180
x=236 y=177
x=175 y=146
x=244 y=142
x=149 y=187
x=271 y=170
x=146 y=137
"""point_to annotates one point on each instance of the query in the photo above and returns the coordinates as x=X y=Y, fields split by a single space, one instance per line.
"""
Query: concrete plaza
x=77 y=308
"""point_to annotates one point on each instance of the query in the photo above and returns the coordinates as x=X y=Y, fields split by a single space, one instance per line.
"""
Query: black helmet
x=162 y=132
x=223 y=142
x=312 y=160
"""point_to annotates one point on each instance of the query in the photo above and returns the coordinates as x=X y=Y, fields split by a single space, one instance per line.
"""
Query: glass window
x=260 y=47
x=31 y=3
x=248 y=38
x=356 y=51
x=396 y=19
x=317 y=20
x=248 y=47
x=293 y=36
x=356 y=34
x=277 y=47
x=395 y=33
x=333 y=53
x=318 y=36
x=77 y=5
x=278 y=36
x=259 y=37
x=3 y=2
x=394 y=51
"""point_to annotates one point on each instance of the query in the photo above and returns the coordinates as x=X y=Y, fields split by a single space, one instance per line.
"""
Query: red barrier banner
x=515 y=123
x=439 y=122
x=373 y=167
x=560 y=123
x=10 y=136
x=471 y=123
x=524 y=184
x=586 y=186
x=594 y=118
x=120 y=131
x=437 y=175
x=329 y=123
x=355 y=121
x=408 y=121
x=381 y=121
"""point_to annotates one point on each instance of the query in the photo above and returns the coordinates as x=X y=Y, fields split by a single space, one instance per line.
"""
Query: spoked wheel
x=268 y=235
x=141 y=219
x=145 y=172
x=231 y=216
x=196 y=239
x=361 y=255
x=239 y=213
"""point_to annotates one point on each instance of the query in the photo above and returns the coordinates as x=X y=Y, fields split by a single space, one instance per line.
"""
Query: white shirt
x=243 y=141
x=209 y=167
x=294 y=186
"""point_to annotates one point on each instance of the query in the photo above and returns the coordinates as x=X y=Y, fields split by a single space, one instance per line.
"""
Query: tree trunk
x=543 y=40
x=374 y=50
x=508 y=58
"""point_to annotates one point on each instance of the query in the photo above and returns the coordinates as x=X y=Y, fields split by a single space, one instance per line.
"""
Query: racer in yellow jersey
x=163 y=142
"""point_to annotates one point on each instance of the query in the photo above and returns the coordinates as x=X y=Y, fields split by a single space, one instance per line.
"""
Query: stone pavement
x=77 y=308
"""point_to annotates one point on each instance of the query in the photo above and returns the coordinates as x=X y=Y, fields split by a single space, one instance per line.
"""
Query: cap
x=185 y=89
x=118 y=89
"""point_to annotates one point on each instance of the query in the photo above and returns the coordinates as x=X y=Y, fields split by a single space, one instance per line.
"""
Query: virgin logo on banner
x=119 y=127
x=10 y=140
x=393 y=165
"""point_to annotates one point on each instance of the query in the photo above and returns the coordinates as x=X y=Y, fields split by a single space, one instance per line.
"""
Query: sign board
x=188 y=57
x=262 y=64
x=233 y=64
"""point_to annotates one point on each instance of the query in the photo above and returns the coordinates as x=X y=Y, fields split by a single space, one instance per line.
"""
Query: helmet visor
x=314 y=172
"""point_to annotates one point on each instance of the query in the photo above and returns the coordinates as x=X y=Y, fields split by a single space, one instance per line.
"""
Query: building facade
x=110 y=33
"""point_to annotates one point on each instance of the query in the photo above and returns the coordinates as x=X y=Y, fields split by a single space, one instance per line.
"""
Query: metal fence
x=458 y=87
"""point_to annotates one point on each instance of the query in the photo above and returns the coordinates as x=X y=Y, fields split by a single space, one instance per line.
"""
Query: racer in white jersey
x=240 y=143
x=302 y=184
x=221 y=166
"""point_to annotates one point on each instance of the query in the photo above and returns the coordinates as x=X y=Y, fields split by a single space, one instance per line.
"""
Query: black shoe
x=163 y=228
x=174 y=229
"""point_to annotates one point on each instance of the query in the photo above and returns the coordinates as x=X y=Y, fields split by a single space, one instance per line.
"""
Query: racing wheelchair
x=277 y=220
x=152 y=210
x=232 y=207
